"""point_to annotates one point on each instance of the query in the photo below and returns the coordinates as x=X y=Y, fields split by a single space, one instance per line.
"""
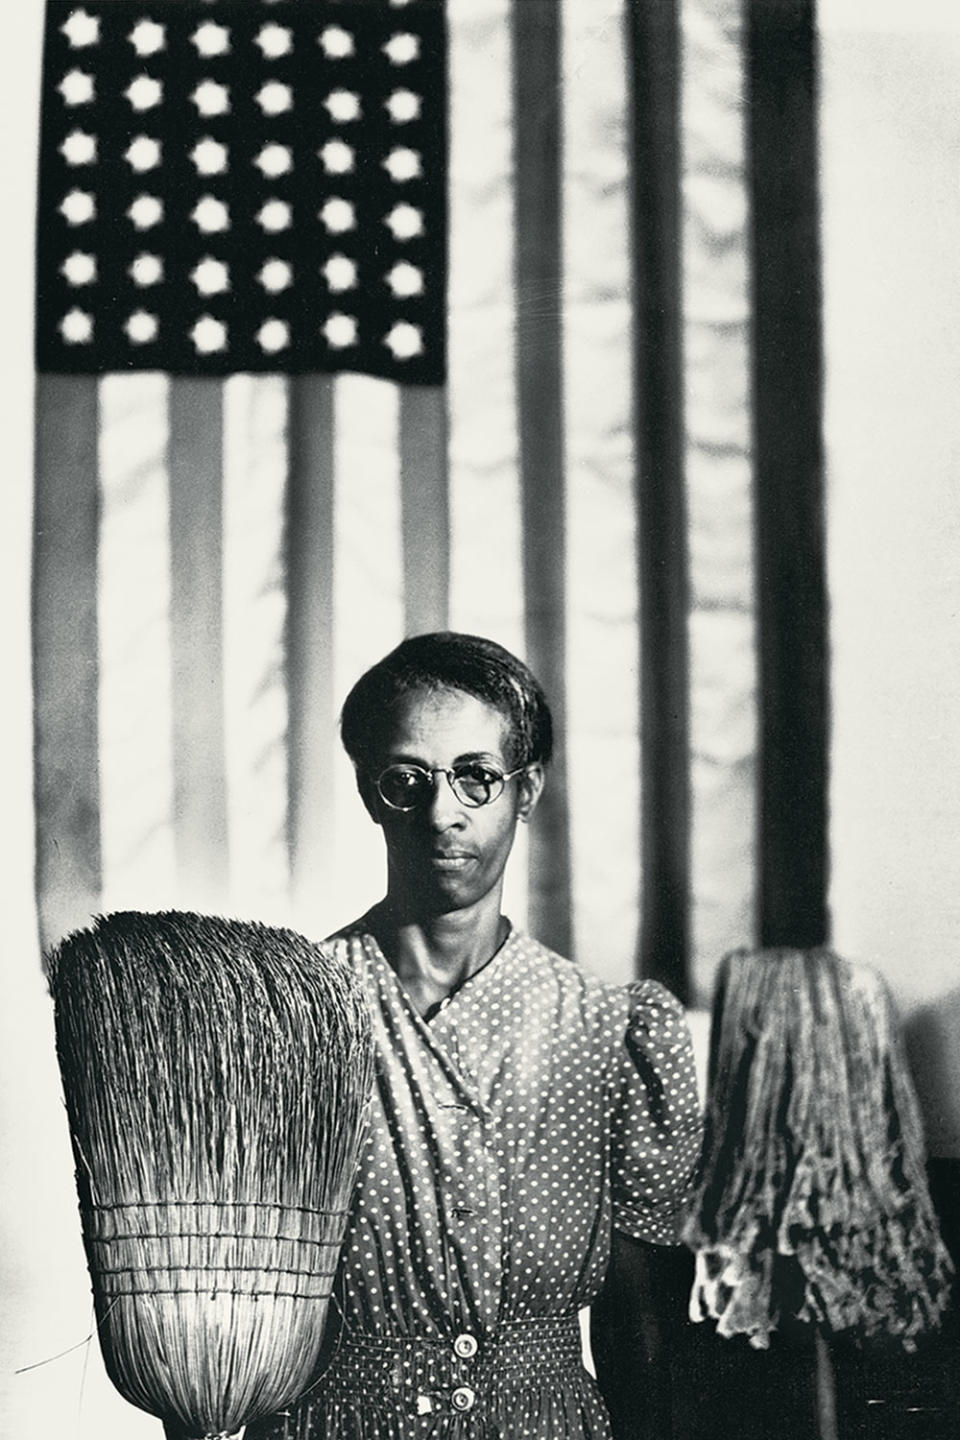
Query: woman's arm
x=636 y=1326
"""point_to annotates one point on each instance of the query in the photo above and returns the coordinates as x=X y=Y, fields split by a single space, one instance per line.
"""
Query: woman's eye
x=479 y=774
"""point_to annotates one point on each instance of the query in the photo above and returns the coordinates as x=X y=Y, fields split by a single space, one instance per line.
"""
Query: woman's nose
x=443 y=807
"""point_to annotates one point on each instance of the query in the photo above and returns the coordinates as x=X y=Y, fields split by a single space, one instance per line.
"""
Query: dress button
x=463 y=1398
x=465 y=1346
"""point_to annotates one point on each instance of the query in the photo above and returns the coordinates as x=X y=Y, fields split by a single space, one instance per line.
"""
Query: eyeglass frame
x=432 y=771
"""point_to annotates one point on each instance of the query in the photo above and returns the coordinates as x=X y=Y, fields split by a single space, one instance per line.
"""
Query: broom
x=216 y=1075
x=812 y=1203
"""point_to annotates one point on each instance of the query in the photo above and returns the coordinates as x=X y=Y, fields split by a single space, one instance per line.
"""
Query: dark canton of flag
x=237 y=186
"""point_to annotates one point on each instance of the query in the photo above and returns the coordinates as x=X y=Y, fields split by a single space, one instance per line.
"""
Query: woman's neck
x=433 y=955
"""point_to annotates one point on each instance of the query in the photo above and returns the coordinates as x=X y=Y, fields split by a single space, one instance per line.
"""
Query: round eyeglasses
x=474 y=782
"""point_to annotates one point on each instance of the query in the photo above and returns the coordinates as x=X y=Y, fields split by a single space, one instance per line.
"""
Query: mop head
x=216 y=1076
x=813 y=1202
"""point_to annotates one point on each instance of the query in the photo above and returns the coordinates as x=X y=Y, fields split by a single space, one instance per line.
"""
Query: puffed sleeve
x=657 y=1121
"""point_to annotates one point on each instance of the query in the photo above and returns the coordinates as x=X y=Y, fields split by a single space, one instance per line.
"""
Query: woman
x=523 y=1114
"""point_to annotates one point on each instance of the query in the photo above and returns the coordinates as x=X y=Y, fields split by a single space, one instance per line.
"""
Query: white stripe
x=368 y=605
x=486 y=542
x=601 y=563
x=723 y=680
x=254 y=609
x=136 y=734
x=486 y=571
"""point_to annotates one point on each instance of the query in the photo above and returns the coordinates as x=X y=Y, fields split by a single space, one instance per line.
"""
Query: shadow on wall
x=932 y=1036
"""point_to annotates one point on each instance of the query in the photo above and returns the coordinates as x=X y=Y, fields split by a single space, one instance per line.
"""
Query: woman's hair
x=443 y=661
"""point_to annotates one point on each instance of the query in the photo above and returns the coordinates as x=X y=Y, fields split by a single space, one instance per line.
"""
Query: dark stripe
x=654 y=117
x=195 y=458
x=312 y=703
x=789 y=505
x=425 y=509
x=65 y=655
x=537 y=158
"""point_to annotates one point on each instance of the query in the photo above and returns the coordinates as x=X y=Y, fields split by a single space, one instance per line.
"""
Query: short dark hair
x=445 y=660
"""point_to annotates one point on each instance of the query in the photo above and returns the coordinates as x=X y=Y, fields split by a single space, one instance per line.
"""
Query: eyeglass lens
x=406 y=787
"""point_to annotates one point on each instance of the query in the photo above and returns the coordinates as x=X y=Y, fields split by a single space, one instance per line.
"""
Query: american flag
x=358 y=318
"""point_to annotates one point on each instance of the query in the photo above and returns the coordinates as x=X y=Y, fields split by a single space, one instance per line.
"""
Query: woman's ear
x=368 y=794
x=531 y=784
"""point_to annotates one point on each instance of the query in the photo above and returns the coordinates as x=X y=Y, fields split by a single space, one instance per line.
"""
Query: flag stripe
x=788 y=383
x=254 y=663
x=654 y=51
x=719 y=481
x=538 y=260
x=486 y=566
x=136 y=699
x=65 y=670
x=603 y=770
x=311 y=696
x=425 y=508
x=196 y=623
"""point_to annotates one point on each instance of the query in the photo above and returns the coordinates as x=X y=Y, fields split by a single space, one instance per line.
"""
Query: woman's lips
x=450 y=859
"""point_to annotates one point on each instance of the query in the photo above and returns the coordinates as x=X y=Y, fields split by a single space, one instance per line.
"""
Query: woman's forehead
x=450 y=721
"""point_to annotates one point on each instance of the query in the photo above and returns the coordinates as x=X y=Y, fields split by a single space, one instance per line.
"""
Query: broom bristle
x=813 y=1202
x=216 y=1075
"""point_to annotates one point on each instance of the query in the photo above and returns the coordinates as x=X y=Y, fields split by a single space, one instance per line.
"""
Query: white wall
x=890 y=143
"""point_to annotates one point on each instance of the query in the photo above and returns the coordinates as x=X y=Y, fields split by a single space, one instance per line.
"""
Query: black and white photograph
x=480 y=595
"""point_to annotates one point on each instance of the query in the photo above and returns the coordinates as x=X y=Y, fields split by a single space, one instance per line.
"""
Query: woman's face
x=447 y=856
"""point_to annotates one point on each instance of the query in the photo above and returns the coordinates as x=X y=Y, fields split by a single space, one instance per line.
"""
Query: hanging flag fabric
x=229 y=533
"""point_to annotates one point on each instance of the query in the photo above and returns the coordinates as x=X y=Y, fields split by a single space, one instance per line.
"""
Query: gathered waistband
x=425 y=1374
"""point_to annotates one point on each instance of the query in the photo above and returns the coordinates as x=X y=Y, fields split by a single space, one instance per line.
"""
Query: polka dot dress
x=536 y=1110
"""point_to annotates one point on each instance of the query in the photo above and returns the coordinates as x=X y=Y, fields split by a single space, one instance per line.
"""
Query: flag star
x=76 y=327
x=79 y=268
x=78 y=207
x=274 y=41
x=337 y=43
x=211 y=277
x=211 y=98
x=211 y=39
x=79 y=148
x=338 y=215
x=405 y=279
x=143 y=153
x=343 y=105
x=146 y=211
x=275 y=215
x=274 y=160
x=337 y=157
x=76 y=87
x=148 y=37
x=274 y=98
x=81 y=29
x=275 y=275
x=403 y=105
x=403 y=164
x=340 y=330
x=405 y=221
x=209 y=335
x=209 y=156
x=404 y=340
x=401 y=49
x=273 y=335
x=146 y=269
x=210 y=215
x=144 y=93
x=341 y=272
x=141 y=327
